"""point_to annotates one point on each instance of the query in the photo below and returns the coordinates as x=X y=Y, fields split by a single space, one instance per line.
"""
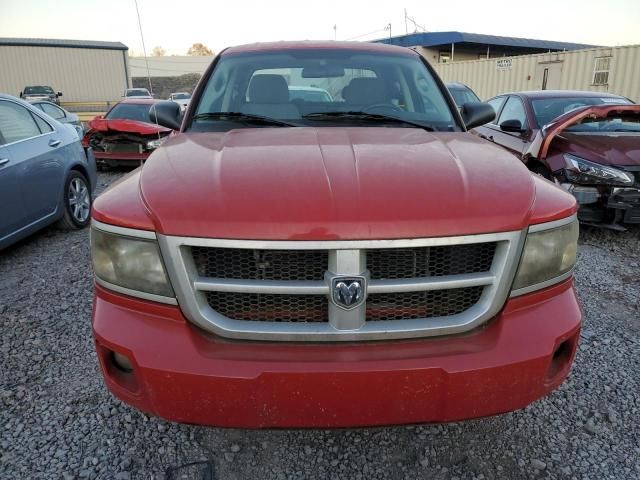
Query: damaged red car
x=587 y=142
x=125 y=135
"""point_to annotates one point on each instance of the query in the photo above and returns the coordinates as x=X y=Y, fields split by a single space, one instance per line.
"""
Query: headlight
x=130 y=263
x=579 y=170
x=548 y=255
x=153 y=144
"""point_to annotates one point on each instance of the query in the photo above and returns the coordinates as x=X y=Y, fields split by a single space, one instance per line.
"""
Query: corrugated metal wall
x=172 y=66
x=574 y=72
x=81 y=74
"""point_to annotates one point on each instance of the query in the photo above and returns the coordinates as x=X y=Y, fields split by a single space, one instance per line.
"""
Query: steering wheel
x=382 y=106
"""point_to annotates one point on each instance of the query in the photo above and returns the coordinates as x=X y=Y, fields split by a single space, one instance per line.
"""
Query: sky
x=176 y=25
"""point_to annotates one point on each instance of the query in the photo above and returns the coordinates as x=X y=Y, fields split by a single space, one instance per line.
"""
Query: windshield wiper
x=242 y=117
x=374 y=117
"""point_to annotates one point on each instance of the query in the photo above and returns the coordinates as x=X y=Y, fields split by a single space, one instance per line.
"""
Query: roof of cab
x=308 y=44
x=536 y=94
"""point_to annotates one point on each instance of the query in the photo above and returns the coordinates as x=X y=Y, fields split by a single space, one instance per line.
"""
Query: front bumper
x=120 y=158
x=185 y=375
x=605 y=204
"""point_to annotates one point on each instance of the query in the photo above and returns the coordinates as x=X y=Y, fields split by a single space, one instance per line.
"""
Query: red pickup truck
x=359 y=259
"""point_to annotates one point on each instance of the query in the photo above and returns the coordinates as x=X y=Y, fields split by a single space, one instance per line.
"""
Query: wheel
x=77 y=202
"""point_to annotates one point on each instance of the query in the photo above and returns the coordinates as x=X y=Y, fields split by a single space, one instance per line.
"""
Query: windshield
x=130 y=111
x=615 y=123
x=294 y=85
x=548 y=109
x=463 y=95
x=180 y=96
x=38 y=90
x=137 y=92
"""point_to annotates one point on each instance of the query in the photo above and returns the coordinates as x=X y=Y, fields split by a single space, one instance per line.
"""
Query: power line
x=367 y=34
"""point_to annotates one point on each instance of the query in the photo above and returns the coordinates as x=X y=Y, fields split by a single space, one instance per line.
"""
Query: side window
x=42 y=125
x=53 y=111
x=514 y=110
x=17 y=123
x=496 y=104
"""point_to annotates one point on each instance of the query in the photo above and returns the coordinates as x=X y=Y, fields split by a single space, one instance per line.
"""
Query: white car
x=137 y=93
x=181 y=98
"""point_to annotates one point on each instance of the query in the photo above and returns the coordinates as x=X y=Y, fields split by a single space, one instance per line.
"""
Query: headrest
x=268 y=88
x=366 y=91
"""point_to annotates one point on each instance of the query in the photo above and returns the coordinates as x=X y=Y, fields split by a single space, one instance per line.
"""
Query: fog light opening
x=560 y=359
x=121 y=362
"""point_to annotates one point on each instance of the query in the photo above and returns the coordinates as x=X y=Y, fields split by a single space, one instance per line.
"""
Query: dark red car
x=588 y=142
x=125 y=135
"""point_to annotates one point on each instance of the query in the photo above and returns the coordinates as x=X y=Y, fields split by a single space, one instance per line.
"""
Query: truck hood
x=128 y=126
x=334 y=183
x=539 y=148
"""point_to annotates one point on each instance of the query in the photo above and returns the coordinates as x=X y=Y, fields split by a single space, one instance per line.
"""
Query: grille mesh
x=244 y=264
x=395 y=263
x=270 y=307
x=429 y=304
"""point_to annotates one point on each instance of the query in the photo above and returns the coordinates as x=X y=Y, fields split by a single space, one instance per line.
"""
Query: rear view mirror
x=167 y=114
x=322 y=71
x=475 y=114
x=511 y=126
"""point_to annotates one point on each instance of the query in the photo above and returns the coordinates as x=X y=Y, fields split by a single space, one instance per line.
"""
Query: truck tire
x=77 y=202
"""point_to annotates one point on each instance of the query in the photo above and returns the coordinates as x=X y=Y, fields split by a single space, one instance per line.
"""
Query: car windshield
x=180 y=96
x=616 y=123
x=463 y=95
x=292 y=85
x=38 y=90
x=138 y=92
x=548 y=109
x=130 y=111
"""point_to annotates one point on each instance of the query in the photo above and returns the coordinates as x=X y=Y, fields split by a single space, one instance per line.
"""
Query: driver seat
x=269 y=97
x=367 y=91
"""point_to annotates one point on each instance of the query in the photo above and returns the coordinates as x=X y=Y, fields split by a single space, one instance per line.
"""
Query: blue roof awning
x=432 y=39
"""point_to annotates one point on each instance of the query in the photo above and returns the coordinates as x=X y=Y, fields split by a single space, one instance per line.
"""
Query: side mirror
x=20 y=94
x=475 y=114
x=167 y=114
x=59 y=94
x=511 y=126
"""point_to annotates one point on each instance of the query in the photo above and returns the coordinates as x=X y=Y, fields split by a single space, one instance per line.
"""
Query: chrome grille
x=394 y=263
x=429 y=304
x=282 y=290
x=253 y=264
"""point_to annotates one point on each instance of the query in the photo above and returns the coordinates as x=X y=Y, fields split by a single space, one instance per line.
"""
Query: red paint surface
x=337 y=183
x=206 y=380
x=100 y=124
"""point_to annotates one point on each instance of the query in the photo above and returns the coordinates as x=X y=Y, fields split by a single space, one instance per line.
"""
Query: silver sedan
x=46 y=175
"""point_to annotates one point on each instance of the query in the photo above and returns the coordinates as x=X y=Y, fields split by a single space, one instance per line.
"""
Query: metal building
x=84 y=71
x=447 y=47
x=604 y=69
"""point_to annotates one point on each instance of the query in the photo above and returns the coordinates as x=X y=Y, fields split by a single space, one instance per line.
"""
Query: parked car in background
x=363 y=261
x=181 y=98
x=56 y=112
x=137 y=93
x=461 y=93
x=588 y=142
x=309 y=94
x=125 y=135
x=45 y=174
x=40 y=92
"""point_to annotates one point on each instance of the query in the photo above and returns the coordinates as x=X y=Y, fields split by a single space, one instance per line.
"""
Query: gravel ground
x=57 y=420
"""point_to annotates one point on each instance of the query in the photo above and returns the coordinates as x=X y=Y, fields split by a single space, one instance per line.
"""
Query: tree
x=158 y=51
x=199 y=49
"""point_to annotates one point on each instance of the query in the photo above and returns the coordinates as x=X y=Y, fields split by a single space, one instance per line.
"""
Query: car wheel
x=77 y=202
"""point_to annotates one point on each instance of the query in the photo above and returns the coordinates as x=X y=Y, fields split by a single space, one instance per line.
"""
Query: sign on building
x=503 y=64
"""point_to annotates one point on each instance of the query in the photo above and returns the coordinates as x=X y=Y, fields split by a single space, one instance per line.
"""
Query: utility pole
x=406 y=25
x=388 y=27
x=335 y=32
